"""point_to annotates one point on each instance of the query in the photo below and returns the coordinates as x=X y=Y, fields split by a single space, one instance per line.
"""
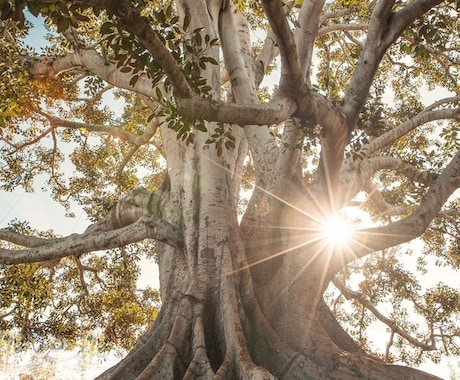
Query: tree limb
x=147 y=226
x=24 y=240
x=407 y=15
x=350 y=294
x=141 y=27
x=384 y=208
x=370 y=240
x=423 y=117
x=119 y=132
x=309 y=20
x=273 y=112
x=384 y=29
x=340 y=27
x=356 y=176
x=291 y=71
x=237 y=50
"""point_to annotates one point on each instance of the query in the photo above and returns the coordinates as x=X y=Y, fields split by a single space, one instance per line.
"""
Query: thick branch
x=92 y=61
x=291 y=72
x=147 y=226
x=140 y=26
x=407 y=15
x=384 y=208
x=391 y=136
x=335 y=137
x=356 y=176
x=266 y=55
x=273 y=112
x=371 y=240
x=384 y=29
x=236 y=48
x=24 y=240
x=49 y=67
x=309 y=20
x=137 y=203
x=394 y=163
x=369 y=61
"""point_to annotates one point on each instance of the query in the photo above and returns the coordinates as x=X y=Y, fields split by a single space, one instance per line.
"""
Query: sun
x=336 y=231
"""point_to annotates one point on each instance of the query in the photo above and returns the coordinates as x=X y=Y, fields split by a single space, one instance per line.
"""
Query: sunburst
x=336 y=231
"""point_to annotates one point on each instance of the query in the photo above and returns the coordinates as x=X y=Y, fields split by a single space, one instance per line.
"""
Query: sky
x=43 y=213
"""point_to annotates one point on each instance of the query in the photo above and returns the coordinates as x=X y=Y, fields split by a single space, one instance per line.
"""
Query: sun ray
x=336 y=231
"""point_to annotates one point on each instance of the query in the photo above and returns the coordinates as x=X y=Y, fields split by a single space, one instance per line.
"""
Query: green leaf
x=229 y=144
x=62 y=24
x=201 y=127
x=81 y=17
x=186 y=23
x=106 y=27
x=212 y=61
x=159 y=94
x=197 y=38
x=133 y=80
x=33 y=8
x=168 y=11
x=406 y=48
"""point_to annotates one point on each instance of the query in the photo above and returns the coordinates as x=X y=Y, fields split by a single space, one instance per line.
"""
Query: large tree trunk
x=242 y=300
x=215 y=322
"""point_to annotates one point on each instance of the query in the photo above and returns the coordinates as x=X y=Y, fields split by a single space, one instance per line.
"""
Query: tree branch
x=368 y=62
x=32 y=141
x=147 y=226
x=407 y=15
x=423 y=117
x=119 y=132
x=350 y=294
x=274 y=112
x=291 y=71
x=236 y=48
x=340 y=27
x=384 y=208
x=140 y=26
x=309 y=20
x=384 y=29
x=357 y=175
x=24 y=240
x=395 y=163
x=371 y=240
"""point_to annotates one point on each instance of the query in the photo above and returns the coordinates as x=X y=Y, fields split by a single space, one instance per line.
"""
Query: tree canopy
x=220 y=139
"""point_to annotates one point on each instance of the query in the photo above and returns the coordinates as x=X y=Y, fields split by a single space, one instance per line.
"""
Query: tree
x=242 y=285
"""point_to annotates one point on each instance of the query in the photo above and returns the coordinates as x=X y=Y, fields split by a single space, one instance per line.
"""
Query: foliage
x=53 y=304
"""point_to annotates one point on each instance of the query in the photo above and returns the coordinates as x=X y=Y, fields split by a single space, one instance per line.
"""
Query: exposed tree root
x=227 y=336
x=200 y=365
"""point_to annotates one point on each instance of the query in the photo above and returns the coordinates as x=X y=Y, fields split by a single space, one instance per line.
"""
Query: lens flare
x=336 y=231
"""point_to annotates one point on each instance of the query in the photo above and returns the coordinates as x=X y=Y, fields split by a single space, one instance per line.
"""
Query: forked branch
x=375 y=239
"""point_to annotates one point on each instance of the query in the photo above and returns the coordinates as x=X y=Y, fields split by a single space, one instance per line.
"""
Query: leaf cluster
x=65 y=301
